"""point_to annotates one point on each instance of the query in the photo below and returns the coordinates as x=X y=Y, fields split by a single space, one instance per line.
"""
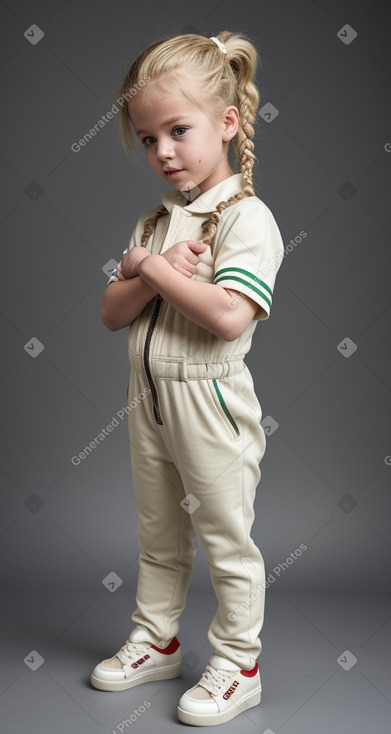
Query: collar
x=205 y=202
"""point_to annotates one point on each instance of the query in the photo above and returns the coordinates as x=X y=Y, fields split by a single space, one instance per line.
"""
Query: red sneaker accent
x=172 y=647
x=250 y=673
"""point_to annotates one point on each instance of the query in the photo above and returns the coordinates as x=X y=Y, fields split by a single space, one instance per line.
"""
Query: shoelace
x=213 y=679
x=132 y=650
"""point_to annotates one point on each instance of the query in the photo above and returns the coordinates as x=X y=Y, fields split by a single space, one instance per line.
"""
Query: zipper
x=224 y=407
x=156 y=410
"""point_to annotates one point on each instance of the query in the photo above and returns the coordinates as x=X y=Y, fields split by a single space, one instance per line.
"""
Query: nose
x=165 y=148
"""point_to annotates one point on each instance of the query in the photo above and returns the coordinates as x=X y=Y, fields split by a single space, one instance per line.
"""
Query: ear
x=231 y=122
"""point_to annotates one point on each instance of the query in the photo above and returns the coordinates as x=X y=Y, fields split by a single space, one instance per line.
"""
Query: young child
x=196 y=278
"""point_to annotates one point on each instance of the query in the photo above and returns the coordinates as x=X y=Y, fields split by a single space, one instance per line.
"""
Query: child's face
x=190 y=144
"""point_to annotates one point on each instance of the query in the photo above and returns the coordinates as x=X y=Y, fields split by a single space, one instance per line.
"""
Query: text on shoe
x=140 y=661
x=231 y=689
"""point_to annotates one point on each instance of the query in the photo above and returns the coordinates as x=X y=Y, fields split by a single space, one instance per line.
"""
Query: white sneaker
x=138 y=662
x=220 y=695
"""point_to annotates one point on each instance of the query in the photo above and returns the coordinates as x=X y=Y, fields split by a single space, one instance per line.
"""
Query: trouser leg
x=165 y=532
x=235 y=563
x=222 y=471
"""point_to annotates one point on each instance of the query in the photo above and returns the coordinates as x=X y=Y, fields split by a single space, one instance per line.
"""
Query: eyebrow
x=168 y=122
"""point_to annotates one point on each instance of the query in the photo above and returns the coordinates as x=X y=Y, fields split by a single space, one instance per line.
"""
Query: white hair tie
x=220 y=45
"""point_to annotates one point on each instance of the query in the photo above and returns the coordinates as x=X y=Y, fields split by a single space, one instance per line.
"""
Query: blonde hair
x=223 y=79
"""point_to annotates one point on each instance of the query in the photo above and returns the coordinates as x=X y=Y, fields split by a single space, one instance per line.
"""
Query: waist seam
x=177 y=367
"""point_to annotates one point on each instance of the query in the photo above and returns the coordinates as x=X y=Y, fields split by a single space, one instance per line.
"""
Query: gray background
x=323 y=168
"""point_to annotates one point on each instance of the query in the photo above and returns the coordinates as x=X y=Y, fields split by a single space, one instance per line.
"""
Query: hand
x=127 y=267
x=183 y=256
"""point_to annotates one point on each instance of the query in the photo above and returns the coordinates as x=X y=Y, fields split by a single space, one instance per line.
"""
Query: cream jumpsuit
x=197 y=433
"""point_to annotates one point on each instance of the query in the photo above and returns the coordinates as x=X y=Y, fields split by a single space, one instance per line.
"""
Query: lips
x=172 y=170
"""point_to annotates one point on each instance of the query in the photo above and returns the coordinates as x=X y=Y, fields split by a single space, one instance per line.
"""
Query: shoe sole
x=169 y=671
x=253 y=699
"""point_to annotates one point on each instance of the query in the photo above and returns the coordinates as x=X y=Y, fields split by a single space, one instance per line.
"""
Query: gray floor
x=305 y=688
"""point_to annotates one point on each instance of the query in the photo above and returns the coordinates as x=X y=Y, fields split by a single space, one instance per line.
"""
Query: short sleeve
x=248 y=253
x=135 y=239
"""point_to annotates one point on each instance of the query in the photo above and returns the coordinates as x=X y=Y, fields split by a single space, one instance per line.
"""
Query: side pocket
x=224 y=407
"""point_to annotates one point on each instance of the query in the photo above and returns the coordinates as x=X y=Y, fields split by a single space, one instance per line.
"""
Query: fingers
x=120 y=275
x=191 y=263
x=197 y=245
x=119 y=271
x=185 y=271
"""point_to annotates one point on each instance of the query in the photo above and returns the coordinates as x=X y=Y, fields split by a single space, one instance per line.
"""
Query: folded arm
x=123 y=301
x=222 y=311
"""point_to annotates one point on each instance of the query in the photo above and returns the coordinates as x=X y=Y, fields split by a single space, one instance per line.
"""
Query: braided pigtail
x=150 y=224
x=241 y=60
x=209 y=227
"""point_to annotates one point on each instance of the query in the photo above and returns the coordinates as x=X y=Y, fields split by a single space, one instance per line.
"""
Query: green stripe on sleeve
x=249 y=275
x=245 y=282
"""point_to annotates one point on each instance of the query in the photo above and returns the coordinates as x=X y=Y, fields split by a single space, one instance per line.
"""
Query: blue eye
x=150 y=137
